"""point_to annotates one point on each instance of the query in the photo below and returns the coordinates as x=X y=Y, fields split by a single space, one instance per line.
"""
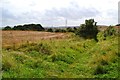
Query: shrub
x=75 y=28
x=57 y=30
x=103 y=62
x=7 y=28
x=99 y=70
x=50 y=30
x=63 y=30
x=69 y=29
x=60 y=30
x=118 y=25
x=88 y=30
x=109 y=31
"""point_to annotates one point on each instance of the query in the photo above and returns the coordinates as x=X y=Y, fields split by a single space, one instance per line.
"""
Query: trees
x=7 y=28
x=69 y=29
x=118 y=25
x=88 y=30
x=50 y=30
x=33 y=27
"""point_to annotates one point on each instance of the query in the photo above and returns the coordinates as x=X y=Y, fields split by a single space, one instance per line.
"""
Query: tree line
x=33 y=27
x=87 y=30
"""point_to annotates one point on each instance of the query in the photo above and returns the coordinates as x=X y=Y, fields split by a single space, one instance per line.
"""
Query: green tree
x=118 y=25
x=57 y=30
x=33 y=27
x=75 y=28
x=88 y=30
x=69 y=29
x=7 y=28
x=50 y=30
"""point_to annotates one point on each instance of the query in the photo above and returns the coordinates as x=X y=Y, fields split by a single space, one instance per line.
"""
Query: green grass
x=72 y=57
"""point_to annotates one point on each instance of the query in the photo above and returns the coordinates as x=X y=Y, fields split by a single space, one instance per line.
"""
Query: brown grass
x=17 y=37
x=102 y=28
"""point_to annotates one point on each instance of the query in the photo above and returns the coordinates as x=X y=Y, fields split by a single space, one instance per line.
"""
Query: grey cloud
x=6 y=14
x=53 y=16
x=8 y=18
x=119 y=12
x=74 y=12
x=113 y=14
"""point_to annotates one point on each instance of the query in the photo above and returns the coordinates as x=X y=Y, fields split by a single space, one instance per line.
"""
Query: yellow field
x=17 y=37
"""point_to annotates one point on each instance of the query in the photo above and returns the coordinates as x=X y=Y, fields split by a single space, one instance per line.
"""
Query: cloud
x=52 y=16
x=6 y=14
x=7 y=17
x=119 y=12
x=12 y=19
x=55 y=12
x=73 y=12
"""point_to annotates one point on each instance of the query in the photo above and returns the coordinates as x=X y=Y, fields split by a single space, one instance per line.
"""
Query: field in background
x=58 y=55
x=10 y=38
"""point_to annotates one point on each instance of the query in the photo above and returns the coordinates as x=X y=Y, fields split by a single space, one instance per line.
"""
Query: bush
x=99 y=70
x=69 y=29
x=50 y=30
x=57 y=30
x=103 y=62
x=63 y=30
x=7 y=28
x=118 y=25
x=88 y=30
x=60 y=30
x=109 y=31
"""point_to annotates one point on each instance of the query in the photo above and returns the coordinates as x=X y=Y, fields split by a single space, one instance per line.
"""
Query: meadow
x=34 y=54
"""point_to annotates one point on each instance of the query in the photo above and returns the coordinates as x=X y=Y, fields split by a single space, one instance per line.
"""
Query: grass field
x=9 y=38
x=30 y=54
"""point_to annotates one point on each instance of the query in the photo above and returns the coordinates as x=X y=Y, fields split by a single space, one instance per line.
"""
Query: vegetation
x=88 y=30
x=89 y=54
x=7 y=28
x=71 y=57
x=118 y=25
x=50 y=30
x=60 y=30
x=110 y=31
x=33 y=27
x=69 y=29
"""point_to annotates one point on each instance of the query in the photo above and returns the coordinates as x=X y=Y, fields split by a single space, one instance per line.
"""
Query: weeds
x=62 y=58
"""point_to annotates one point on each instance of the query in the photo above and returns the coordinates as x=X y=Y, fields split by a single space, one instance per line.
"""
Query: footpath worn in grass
x=72 y=57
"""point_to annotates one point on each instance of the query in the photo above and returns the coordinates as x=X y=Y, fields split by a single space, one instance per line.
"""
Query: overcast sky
x=55 y=12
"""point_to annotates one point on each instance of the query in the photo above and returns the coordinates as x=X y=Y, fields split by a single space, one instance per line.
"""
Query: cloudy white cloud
x=119 y=12
x=55 y=12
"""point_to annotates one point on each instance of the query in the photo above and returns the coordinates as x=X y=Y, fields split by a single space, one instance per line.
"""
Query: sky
x=55 y=12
